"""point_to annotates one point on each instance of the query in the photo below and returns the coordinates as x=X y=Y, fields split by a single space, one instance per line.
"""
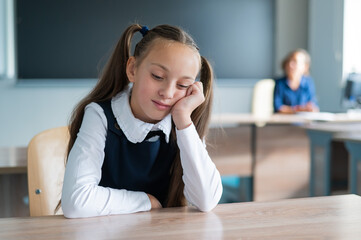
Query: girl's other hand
x=154 y=202
x=182 y=110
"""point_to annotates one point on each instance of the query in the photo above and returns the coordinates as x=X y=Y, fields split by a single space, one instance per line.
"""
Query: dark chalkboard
x=72 y=39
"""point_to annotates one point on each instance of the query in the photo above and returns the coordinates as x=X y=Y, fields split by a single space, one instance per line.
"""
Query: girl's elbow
x=73 y=208
x=207 y=207
x=70 y=209
x=206 y=201
x=76 y=211
x=210 y=203
x=70 y=212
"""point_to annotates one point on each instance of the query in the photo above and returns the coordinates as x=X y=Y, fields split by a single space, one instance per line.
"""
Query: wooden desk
x=13 y=182
x=13 y=160
x=321 y=135
x=248 y=118
x=333 y=217
x=302 y=118
x=240 y=119
x=321 y=128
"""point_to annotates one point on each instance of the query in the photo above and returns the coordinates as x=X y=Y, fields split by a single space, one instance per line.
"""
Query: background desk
x=335 y=217
x=13 y=182
x=13 y=160
x=321 y=135
x=267 y=138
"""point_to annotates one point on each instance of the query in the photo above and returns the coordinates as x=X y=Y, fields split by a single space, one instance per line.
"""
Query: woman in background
x=295 y=92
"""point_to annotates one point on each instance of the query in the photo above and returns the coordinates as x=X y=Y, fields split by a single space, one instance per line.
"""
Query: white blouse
x=83 y=197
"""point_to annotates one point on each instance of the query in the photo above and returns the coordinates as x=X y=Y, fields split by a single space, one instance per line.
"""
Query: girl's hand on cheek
x=182 y=110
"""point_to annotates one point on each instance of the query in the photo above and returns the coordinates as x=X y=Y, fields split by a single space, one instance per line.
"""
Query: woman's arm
x=278 y=103
x=82 y=196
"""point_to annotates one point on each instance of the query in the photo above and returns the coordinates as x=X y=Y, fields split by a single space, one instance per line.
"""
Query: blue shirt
x=284 y=95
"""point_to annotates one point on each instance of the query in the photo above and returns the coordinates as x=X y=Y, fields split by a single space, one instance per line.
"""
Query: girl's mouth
x=161 y=106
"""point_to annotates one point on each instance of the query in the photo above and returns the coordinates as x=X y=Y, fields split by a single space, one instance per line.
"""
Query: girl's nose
x=167 y=91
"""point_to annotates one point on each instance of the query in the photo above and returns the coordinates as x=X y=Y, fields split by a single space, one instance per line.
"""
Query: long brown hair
x=114 y=80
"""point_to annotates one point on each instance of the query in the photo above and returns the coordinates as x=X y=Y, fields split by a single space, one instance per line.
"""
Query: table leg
x=250 y=180
x=320 y=173
x=354 y=149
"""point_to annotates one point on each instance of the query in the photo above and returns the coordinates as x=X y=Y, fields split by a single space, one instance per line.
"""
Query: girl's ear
x=131 y=69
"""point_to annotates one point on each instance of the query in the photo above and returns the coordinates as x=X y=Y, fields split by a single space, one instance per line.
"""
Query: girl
x=295 y=92
x=136 y=147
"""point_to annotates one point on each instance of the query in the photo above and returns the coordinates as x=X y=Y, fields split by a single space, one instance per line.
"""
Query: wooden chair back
x=46 y=166
x=262 y=101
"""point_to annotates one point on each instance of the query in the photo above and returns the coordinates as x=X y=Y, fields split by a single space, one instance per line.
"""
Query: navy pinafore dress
x=141 y=166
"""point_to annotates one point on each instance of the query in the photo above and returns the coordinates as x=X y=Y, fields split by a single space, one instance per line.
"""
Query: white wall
x=26 y=111
x=352 y=37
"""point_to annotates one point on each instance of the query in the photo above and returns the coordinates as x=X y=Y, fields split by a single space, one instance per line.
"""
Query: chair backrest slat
x=46 y=167
x=262 y=100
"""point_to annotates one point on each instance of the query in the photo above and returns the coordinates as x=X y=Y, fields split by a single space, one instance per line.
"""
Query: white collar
x=134 y=129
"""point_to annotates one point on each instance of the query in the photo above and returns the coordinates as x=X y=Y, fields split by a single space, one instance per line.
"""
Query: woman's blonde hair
x=287 y=60
x=114 y=80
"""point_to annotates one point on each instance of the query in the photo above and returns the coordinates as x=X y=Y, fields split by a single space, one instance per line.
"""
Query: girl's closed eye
x=183 y=86
x=157 y=77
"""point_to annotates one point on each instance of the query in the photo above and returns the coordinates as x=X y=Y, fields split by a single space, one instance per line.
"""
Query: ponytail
x=112 y=81
x=201 y=115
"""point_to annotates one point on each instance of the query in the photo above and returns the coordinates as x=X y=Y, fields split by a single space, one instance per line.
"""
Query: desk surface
x=333 y=217
x=303 y=118
x=353 y=136
x=335 y=128
x=13 y=160
x=249 y=118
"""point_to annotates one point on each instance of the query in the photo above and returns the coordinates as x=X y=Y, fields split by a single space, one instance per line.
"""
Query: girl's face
x=161 y=79
x=297 y=64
